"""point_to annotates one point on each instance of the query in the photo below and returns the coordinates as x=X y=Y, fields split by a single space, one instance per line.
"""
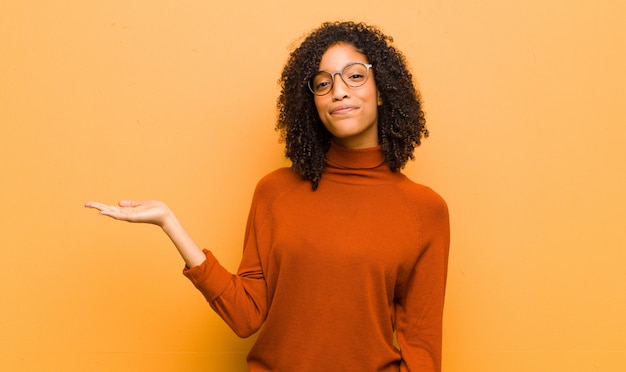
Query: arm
x=419 y=311
x=239 y=299
x=156 y=213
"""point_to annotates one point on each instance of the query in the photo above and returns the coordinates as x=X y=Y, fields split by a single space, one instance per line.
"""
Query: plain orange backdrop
x=176 y=101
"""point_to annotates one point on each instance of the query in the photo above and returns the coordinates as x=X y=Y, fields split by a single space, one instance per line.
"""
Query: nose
x=340 y=89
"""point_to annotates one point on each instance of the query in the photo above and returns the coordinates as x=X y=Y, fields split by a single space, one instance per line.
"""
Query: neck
x=356 y=143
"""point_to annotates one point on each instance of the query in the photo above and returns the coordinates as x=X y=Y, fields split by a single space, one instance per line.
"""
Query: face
x=349 y=114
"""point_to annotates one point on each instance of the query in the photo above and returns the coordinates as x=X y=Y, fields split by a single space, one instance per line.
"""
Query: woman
x=344 y=257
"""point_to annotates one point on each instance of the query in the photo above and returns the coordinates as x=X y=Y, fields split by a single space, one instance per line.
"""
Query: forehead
x=337 y=56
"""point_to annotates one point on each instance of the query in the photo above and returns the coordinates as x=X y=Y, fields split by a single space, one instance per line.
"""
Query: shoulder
x=430 y=209
x=277 y=182
x=424 y=198
x=280 y=177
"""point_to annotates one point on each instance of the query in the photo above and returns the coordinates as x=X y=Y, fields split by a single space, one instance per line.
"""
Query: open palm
x=148 y=211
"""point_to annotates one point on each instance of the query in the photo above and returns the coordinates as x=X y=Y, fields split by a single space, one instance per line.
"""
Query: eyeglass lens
x=354 y=75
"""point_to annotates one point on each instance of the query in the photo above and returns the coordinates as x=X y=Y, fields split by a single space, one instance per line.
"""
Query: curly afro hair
x=401 y=121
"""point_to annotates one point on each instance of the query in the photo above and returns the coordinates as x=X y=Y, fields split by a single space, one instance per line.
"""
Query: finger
x=128 y=203
x=119 y=213
x=113 y=211
x=96 y=205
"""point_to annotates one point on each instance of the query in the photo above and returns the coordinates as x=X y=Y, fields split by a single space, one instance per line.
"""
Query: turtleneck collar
x=358 y=166
x=366 y=158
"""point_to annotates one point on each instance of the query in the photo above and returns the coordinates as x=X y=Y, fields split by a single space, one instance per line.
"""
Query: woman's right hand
x=148 y=211
x=156 y=213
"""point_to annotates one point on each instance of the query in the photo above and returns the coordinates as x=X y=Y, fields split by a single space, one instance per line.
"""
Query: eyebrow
x=346 y=65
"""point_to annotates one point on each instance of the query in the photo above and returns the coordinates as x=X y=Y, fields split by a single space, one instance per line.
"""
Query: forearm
x=187 y=247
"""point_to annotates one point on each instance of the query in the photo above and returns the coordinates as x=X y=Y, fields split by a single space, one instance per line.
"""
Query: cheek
x=319 y=101
x=373 y=101
x=320 y=105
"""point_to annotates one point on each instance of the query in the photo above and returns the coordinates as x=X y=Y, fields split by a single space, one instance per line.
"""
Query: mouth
x=343 y=110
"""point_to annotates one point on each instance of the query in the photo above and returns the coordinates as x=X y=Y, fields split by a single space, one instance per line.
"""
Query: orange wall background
x=176 y=101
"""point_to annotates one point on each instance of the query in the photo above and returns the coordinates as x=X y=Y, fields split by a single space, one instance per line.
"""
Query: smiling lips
x=342 y=110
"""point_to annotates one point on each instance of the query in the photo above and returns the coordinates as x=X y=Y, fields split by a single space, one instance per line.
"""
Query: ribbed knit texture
x=330 y=274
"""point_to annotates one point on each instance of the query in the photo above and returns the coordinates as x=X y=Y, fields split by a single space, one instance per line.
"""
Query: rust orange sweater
x=330 y=274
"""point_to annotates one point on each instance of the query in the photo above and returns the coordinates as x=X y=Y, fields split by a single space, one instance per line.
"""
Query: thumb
x=128 y=203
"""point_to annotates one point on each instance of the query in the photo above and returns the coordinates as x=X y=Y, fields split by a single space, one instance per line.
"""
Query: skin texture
x=349 y=114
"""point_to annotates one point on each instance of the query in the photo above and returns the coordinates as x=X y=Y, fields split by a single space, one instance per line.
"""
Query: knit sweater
x=331 y=274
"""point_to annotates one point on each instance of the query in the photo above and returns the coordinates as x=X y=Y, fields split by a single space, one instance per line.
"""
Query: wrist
x=169 y=222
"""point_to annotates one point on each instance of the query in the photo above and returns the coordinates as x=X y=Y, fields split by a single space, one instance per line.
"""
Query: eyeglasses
x=354 y=75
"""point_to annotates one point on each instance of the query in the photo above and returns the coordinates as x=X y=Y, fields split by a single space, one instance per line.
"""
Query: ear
x=379 y=98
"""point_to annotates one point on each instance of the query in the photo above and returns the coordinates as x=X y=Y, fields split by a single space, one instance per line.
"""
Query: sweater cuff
x=209 y=277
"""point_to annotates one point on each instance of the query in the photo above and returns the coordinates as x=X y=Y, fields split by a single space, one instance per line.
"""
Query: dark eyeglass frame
x=340 y=73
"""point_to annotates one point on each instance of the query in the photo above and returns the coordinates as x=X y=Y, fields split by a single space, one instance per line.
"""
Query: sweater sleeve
x=241 y=299
x=419 y=313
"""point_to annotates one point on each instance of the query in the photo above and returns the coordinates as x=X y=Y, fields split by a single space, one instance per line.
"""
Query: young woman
x=344 y=262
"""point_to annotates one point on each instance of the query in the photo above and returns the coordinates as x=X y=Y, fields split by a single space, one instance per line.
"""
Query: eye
x=356 y=77
x=355 y=73
x=321 y=82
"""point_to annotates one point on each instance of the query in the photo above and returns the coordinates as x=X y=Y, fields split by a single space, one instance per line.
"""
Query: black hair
x=401 y=121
